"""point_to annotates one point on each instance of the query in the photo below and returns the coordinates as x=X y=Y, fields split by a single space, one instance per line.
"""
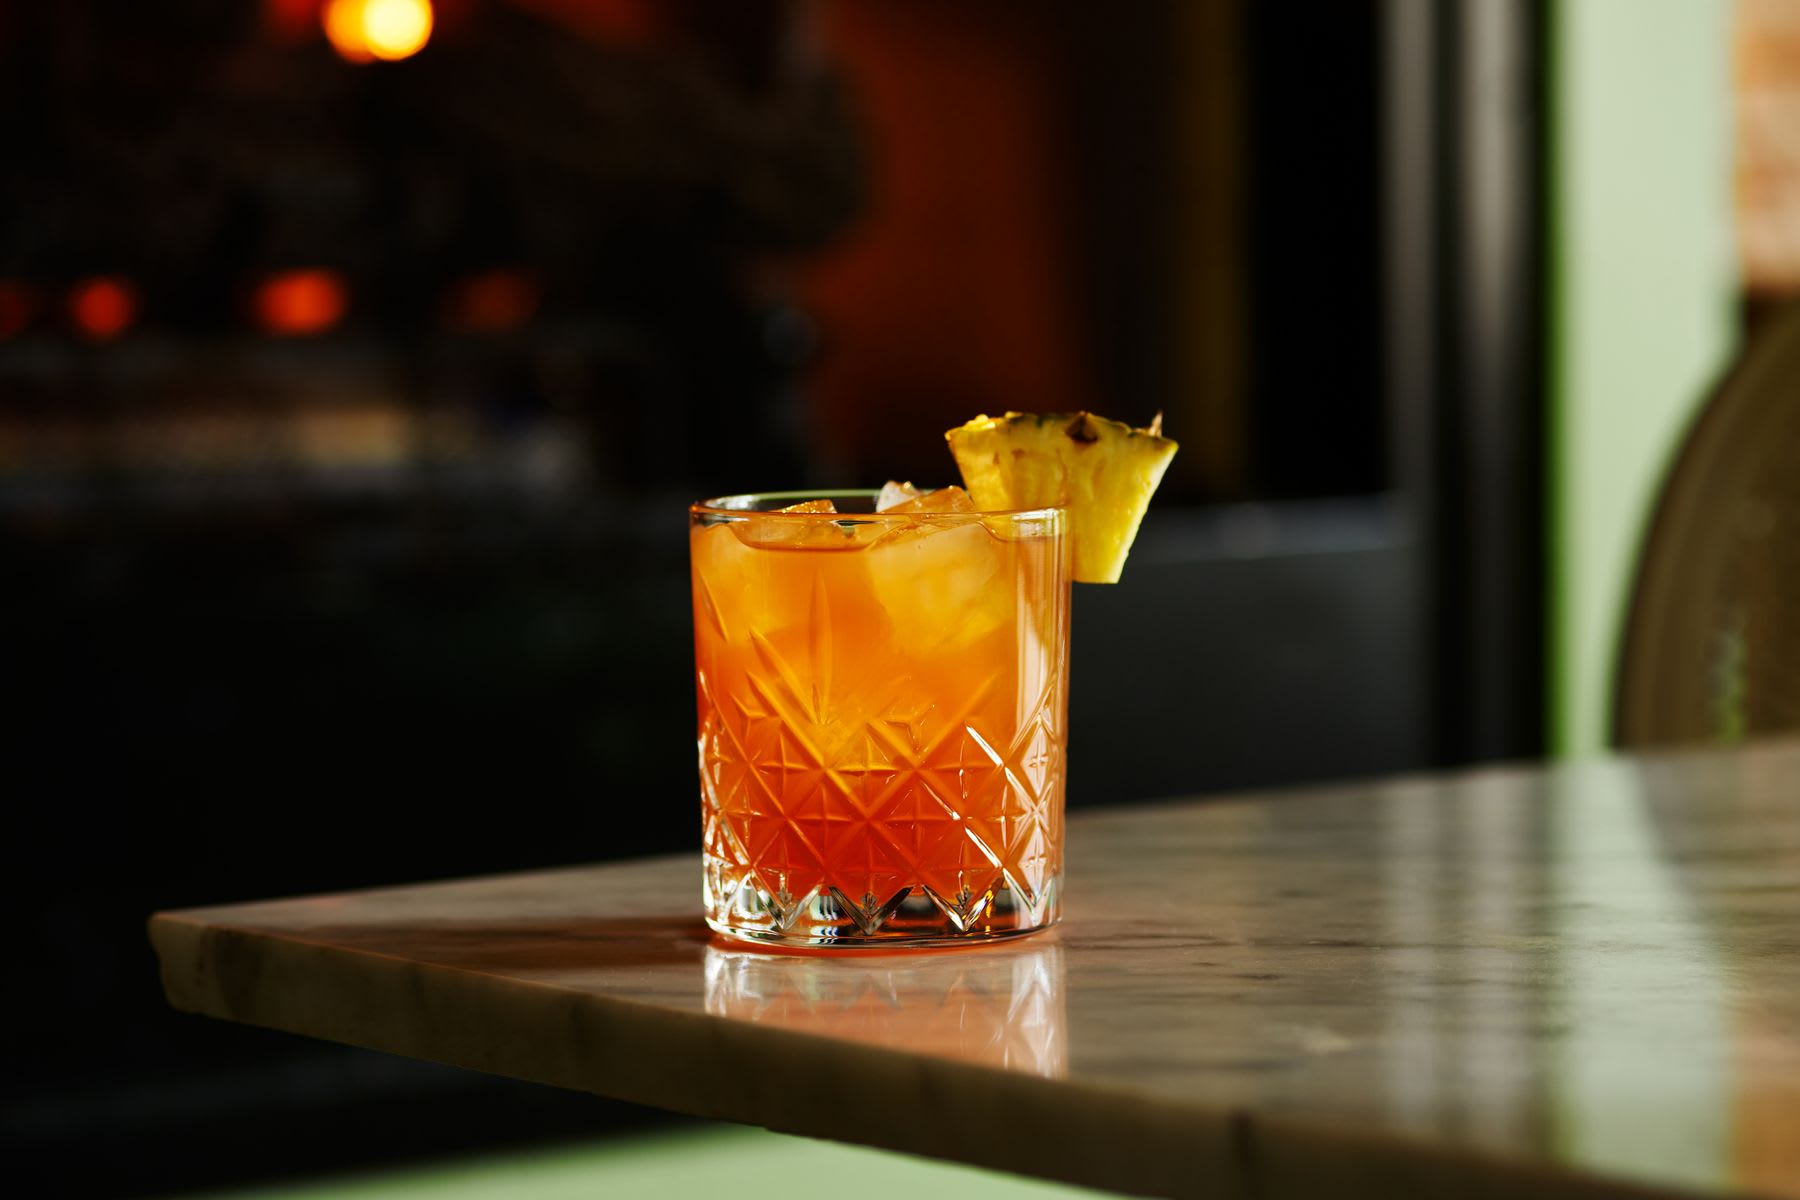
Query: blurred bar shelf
x=1573 y=981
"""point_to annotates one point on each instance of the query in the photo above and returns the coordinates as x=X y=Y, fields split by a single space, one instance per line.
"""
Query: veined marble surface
x=1576 y=982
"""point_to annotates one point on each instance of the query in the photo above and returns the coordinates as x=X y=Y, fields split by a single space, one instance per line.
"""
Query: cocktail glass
x=883 y=703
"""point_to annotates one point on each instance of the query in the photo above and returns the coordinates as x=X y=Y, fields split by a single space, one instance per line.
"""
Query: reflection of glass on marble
x=1002 y=1008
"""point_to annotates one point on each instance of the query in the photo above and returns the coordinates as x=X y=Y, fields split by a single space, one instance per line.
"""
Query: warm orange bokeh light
x=17 y=306
x=492 y=302
x=103 y=307
x=361 y=30
x=297 y=303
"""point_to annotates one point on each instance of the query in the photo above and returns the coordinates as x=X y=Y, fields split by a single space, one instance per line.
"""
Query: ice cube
x=805 y=526
x=941 y=500
x=941 y=582
x=894 y=494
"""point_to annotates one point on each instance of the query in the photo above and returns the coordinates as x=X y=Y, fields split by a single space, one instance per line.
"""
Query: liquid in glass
x=882 y=721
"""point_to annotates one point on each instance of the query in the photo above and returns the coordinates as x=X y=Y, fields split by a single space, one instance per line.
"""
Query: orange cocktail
x=883 y=703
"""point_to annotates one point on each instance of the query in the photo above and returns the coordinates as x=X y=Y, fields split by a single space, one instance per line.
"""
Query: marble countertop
x=1577 y=982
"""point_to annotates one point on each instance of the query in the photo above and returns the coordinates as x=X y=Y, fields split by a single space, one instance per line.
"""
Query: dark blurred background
x=358 y=359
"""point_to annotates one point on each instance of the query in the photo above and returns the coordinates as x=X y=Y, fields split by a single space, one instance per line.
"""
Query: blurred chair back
x=1712 y=645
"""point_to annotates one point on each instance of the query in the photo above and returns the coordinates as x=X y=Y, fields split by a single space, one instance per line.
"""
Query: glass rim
x=722 y=506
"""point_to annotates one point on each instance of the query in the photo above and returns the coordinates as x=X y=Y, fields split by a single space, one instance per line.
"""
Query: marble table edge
x=1081 y=1133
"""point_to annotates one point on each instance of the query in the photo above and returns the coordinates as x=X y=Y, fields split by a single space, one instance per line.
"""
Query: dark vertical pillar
x=1463 y=226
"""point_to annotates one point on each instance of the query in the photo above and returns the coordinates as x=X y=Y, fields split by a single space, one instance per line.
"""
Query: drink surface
x=882 y=706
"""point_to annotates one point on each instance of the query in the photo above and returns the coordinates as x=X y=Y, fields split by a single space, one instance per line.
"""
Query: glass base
x=740 y=908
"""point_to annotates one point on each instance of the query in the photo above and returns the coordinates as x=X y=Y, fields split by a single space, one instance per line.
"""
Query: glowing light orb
x=301 y=303
x=362 y=30
x=103 y=307
x=499 y=301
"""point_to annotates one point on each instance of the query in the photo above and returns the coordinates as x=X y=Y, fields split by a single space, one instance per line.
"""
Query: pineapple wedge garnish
x=1102 y=471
